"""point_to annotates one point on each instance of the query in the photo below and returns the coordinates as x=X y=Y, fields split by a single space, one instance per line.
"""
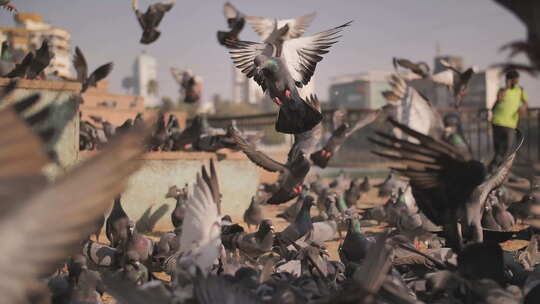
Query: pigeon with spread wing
x=450 y=188
x=81 y=67
x=151 y=19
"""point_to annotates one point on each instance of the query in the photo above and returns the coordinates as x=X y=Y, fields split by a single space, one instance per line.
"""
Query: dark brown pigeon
x=150 y=20
x=81 y=67
x=117 y=224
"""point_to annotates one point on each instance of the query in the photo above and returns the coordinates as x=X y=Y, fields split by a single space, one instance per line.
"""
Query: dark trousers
x=503 y=141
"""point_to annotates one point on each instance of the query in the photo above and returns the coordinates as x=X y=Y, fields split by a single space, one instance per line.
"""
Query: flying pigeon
x=150 y=20
x=419 y=68
x=296 y=27
x=81 y=67
x=282 y=67
x=435 y=167
x=235 y=20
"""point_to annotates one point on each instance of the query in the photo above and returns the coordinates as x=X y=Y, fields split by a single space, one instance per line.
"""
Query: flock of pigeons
x=444 y=220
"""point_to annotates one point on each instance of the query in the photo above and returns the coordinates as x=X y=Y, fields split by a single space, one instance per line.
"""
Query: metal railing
x=476 y=127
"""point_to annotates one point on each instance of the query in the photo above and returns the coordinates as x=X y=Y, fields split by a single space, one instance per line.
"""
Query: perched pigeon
x=150 y=20
x=282 y=67
x=253 y=214
x=117 y=224
x=33 y=65
x=181 y=196
x=81 y=67
x=235 y=20
x=301 y=226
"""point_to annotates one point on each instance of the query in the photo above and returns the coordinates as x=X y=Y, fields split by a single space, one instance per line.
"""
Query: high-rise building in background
x=245 y=90
x=145 y=79
x=28 y=35
x=360 y=91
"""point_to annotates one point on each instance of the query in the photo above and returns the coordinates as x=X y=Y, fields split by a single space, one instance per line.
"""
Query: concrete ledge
x=238 y=180
x=43 y=85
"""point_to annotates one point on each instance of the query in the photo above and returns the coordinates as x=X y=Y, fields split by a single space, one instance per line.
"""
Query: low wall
x=238 y=181
x=63 y=115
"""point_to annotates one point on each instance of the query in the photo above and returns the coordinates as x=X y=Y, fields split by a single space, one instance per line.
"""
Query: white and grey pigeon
x=454 y=79
x=201 y=230
x=412 y=108
x=283 y=68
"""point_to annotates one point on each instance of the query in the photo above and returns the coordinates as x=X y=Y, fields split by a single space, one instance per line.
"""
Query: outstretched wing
x=498 y=176
x=31 y=229
x=303 y=54
x=440 y=174
x=243 y=54
x=365 y=121
x=201 y=229
x=100 y=74
x=259 y=158
x=265 y=26
x=80 y=65
x=229 y=11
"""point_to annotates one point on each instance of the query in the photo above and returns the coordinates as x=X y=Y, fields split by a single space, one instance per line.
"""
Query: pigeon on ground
x=338 y=138
x=254 y=244
x=150 y=20
x=528 y=12
x=81 y=67
x=435 y=167
x=200 y=242
x=181 y=196
x=419 y=68
x=85 y=285
x=253 y=214
x=390 y=185
x=117 y=224
x=235 y=20
x=292 y=174
x=281 y=68
x=301 y=226
x=137 y=243
x=355 y=245
x=160 y=136
x=290 y=213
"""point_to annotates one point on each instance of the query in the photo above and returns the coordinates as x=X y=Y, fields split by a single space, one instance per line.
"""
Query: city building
x=28 y=35
x=101 y=97
x=145 y=79
x=360 y=91
x=245 y=90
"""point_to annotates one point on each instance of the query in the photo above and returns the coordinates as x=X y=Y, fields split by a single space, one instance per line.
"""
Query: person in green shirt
x=453 y=133
x=511 y=100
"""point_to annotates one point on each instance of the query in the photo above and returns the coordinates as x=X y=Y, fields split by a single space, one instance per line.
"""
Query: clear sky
x=107 y=30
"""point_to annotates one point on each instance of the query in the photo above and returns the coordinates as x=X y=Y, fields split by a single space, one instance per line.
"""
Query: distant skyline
x=106 y=30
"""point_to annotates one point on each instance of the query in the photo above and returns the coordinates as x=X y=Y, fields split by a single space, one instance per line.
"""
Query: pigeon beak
x=278 y=101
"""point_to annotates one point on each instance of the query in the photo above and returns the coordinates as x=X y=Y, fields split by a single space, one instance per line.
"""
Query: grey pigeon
x=150 y=20
x=301 y=226
x=281 y=68
x=177 y=215
x=85 y=285
x=235 y=20
x=253 y=214
x=41 y=61
x=117 y=224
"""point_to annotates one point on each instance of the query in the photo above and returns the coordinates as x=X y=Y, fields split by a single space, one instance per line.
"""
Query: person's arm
x=524 y=103
x=500 y=96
